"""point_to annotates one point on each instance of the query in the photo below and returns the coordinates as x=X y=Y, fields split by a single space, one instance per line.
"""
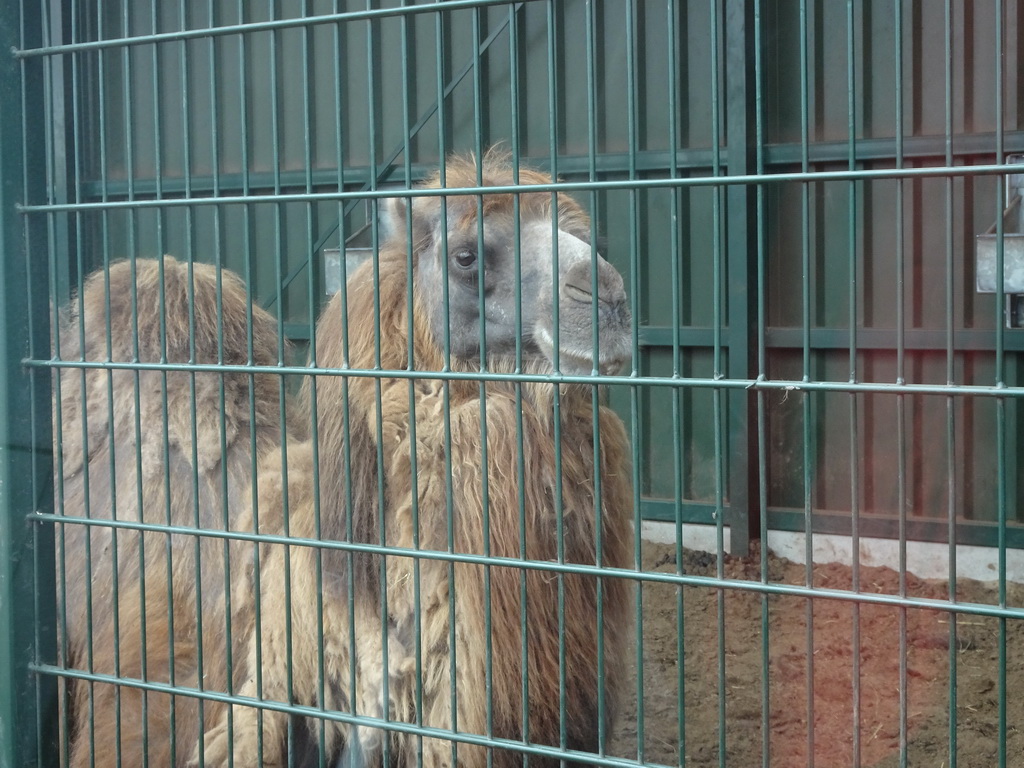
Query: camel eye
x=465 y=259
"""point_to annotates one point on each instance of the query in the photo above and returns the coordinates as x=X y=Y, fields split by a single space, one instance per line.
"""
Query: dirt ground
x=937 y=651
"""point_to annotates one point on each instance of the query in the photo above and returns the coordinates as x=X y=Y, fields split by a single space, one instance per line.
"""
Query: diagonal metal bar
x=382 y=171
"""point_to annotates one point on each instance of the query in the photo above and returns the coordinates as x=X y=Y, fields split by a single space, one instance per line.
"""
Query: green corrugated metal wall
x=913 y=247
x=138 y=133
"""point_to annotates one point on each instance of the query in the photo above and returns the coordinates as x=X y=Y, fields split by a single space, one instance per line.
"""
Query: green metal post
x=28 y=733
x=743 y=515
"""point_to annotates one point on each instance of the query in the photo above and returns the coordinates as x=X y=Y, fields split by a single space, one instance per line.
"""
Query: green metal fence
x=791 y=191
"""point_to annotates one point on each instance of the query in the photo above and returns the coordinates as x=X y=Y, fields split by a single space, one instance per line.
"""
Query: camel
x=130 y=451
x=412 y=453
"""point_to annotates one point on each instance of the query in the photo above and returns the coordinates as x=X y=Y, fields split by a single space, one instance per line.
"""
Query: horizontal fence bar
x=396 y=726
x=350 y=546
x=552 y=566
x=256 y=26
x=644 y=161
x=944 y=171
x=868 y=339
x=944 y=390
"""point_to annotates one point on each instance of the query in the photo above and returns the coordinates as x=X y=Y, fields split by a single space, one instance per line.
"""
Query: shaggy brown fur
x=378 y=659
x=139 y=595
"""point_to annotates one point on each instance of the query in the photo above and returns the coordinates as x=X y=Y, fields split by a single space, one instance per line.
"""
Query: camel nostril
x=578 y=287
x=605 y=299
x=578 y=284
x=578 y=293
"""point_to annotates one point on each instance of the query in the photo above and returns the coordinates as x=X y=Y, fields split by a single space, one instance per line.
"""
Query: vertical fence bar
x=373 y=112
x=57 y=179
x=805 y=294
x=280 y=223
x=852 y=20
x=137 y=394
x=719 y=398
x=1002 y=499
x=440 y=27
x=96 y=566
x=248 y=274
x=553 y=93
x=338 y=46
x=634 y=391
x=312 y=283
x=408 y=79
x=673 y=67
x=479 y=74
x=762 y=373
x=131 y=253
x=950 y=403
x=28 y=734
x=80 y=69
x=592 y=143
x=43 y=541
x=517 y=250
x=216 y=126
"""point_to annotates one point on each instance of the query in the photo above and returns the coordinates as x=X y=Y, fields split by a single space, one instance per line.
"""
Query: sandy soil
x=728 y=671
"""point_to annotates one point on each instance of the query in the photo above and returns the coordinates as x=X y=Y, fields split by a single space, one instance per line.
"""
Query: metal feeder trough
x=987 y=244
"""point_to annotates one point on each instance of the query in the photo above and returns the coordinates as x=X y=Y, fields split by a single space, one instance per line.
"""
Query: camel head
x=448 y=241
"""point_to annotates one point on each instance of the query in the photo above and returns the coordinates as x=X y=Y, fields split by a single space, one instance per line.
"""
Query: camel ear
x=394 y=216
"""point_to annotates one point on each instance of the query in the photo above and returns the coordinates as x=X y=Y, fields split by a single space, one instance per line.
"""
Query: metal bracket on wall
x=358 y=248
x=1012 y=236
